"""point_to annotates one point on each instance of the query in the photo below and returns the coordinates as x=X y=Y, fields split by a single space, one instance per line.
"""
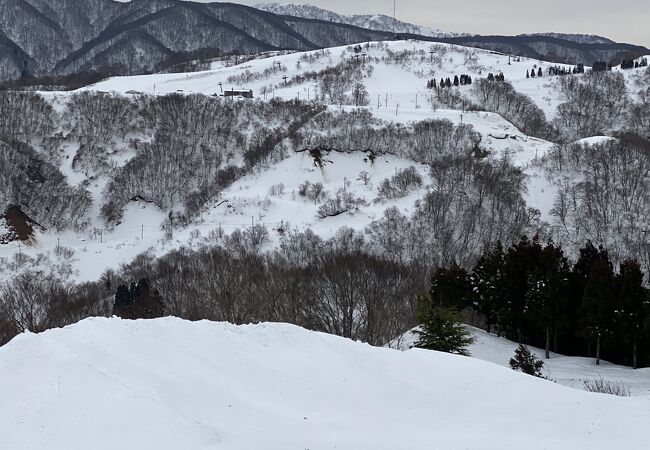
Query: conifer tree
x=441 y=329
x=632 y=307
x=487 y=285
x=597 y=305
x=524 y=361
x=547 y=293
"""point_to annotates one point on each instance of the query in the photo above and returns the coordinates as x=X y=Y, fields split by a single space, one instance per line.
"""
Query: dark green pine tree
x=632 y=305
x=520 y=261
x=441 y=329
x=548 y=290
x=526 y=362
x=578 y=281
x=597 y=305
x=451 y=287
x=487 y=285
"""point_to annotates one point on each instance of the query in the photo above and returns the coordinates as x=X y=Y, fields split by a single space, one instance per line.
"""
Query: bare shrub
x=277 y=190
x=400 y=184
x=342 y=202
x=603 y=386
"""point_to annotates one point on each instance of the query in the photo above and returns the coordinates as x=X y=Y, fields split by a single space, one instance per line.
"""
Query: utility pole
x=394 y=15
x=142 y=232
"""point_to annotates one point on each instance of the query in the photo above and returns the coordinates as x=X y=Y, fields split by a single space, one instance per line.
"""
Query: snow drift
x=172 y=384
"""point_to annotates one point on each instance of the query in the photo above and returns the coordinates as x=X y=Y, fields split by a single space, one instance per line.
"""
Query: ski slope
x=171 y=384
x=397 y=93
x=401 y=70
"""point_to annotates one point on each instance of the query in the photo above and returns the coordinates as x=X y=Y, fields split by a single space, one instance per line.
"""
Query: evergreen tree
x=519 y=261
x=539 y=72
x=450 y=287
x=138 y=301
x=526 y=362
x=547 y=294
x=597 y=305
x=487 y=285
x=631 y=309
x=456 y=81
x=578 y=281
x=441 y=329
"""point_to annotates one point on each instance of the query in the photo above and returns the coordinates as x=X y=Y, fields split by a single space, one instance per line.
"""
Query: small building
x=238 y=93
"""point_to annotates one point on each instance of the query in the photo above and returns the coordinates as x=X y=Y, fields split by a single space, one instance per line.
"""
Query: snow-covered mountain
x=394 y=80
x=168 y=384
x=379 y=22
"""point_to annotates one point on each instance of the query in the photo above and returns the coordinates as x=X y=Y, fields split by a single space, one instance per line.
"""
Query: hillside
x=394 y=77
x=564 y=370
x=169 y=384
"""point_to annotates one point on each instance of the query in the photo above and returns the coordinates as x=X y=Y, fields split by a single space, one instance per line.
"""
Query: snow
x=569 y=371
x=172 y=384
x=397 y=93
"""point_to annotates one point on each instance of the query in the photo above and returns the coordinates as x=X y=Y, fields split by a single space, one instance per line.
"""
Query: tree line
x=530 y=292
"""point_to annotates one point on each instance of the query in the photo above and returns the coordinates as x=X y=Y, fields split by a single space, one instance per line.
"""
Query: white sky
x=622 y=20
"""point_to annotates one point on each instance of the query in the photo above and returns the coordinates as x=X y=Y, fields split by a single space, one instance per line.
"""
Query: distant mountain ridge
x=64 y=37
x=58 y=37
x=379 y=22
x=382 y=22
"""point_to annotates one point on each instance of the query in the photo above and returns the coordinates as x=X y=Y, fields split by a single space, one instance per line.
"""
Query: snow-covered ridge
x=380 y=22
x=171 y=384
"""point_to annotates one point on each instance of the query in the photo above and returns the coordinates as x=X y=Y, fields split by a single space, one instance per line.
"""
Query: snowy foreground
x=172 y=384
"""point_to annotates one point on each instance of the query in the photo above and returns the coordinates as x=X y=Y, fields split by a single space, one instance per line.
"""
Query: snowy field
x=171 y=384
x=565 y=370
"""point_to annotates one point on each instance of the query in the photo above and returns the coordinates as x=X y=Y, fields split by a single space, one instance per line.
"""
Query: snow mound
x=172 y=384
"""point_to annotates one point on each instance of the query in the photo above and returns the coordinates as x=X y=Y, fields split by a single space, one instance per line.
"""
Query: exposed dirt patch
x=17 y=226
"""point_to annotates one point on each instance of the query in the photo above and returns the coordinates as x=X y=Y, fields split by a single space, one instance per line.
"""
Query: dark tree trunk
x=547 y=349
x=634 y=359
x=598 y=350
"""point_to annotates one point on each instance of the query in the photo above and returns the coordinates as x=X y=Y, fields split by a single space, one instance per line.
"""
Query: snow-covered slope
x=380 y=22
x=395 y=75
x=565 y=370
x=397 y=93
x=171 y=384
